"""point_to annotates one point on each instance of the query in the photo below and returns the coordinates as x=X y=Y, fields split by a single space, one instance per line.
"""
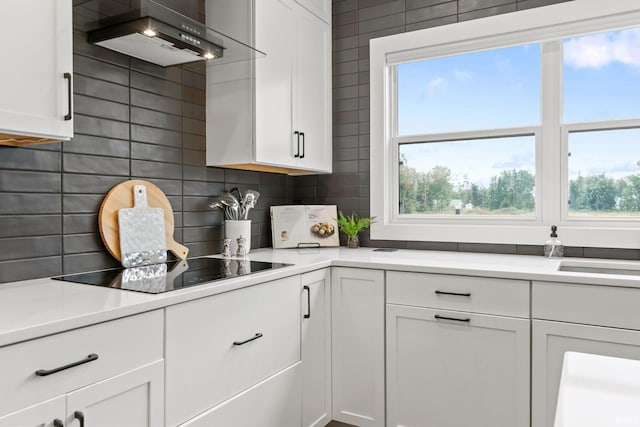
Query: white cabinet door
x=36 y=57
x=322 y=8
x=316 y=348
x=312 y=108
x=472 y=371
x=46 y=414
x=551 y=340
x=357 y=359
x=271 y=113
x=274 y=139
x=275 y=402
x=132 y=399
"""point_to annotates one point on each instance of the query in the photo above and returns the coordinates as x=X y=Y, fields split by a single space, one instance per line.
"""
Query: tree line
x=510 y=193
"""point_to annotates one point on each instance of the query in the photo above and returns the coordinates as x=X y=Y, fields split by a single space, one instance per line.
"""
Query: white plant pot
x=233 y=229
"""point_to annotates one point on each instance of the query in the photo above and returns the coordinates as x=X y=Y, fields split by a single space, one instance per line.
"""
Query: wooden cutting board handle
x=176 y=248
x=121 y=196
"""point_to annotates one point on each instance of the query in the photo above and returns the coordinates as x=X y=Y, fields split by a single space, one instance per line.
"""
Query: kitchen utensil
x=121 y=196
x=232 y=203
x=141 y=232
x=249 y=202
x=236 y=193
x=214 y=205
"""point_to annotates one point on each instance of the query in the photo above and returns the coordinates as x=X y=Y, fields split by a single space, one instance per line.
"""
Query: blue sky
x=501 y=88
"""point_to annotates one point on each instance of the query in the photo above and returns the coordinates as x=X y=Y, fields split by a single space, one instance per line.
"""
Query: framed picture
x=301 y=226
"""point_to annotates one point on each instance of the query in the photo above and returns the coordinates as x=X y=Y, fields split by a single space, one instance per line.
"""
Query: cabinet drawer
x=589 y=304
x=121 y=345
x=275 y=402
x=475 y=294
x=203 y=365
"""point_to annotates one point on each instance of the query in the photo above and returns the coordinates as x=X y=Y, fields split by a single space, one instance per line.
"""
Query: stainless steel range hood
x=152 y=32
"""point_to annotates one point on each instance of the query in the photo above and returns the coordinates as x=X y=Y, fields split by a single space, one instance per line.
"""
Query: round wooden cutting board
x=121 y=196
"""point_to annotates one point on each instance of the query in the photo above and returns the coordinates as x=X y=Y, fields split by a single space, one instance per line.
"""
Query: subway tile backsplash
x=138 y=120
x=132 y=120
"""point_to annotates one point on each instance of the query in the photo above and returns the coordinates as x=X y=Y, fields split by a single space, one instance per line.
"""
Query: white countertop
x=39 y=307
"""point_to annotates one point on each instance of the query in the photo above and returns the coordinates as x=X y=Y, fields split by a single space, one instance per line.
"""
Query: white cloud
x=436 y=85
x=461 y=75
x=522 y=160
x=598 y=50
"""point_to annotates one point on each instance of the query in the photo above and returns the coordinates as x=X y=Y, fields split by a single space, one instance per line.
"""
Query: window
x=493 y=130
x=601 y=76
x=492 y=176
x=604 y=173
x=601 y=98
x=445 y=171
x=496 y=88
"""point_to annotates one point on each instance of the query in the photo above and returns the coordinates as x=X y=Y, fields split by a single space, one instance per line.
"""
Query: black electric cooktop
x=170 y=276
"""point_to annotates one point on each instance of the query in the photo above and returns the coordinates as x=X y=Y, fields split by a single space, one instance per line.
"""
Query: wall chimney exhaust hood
x=152 y=32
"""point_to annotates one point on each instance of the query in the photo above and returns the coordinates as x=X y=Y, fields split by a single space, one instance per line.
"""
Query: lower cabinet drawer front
x=611 y=306
x=204 y=367
x=505 y=297
x=275 y=402
x=121 y=345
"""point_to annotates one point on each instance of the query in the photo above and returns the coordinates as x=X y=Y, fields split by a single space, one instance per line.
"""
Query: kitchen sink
x=601 y=267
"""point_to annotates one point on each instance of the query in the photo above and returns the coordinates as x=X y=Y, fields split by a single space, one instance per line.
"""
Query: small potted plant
x=352 y=225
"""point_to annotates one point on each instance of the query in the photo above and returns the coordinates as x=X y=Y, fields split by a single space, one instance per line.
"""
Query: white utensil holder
x=233 y=229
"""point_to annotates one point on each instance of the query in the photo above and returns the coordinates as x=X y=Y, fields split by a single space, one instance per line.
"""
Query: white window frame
x=548 y=24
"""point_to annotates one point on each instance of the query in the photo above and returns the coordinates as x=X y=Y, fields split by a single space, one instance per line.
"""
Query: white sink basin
x=601 y=267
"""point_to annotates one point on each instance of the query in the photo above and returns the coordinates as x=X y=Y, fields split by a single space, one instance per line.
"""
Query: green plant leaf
x=353 y=224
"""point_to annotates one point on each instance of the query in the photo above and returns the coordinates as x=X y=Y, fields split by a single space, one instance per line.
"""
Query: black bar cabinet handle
x=302 y=155
x=45 y=372
x=80 y=417
x=255 y=337
x=308 y=315
x=58 y=423
x=69 y=95
x=298 y=143
x=459 y=294
x=466 y=319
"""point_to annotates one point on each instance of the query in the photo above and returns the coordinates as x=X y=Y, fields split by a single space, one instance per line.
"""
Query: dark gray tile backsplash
x=138 y=120
x=132 y=120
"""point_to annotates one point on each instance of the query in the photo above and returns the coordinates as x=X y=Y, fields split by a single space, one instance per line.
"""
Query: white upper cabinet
x=312 y=91
x=35 y=79
x=321 y=8
x=273 y=137
x=271 y=113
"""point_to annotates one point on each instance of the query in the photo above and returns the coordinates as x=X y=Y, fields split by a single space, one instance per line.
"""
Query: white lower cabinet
x=135 y=398
x=458 y=351
x=109 y=374
x=551 y=340
x=275 y=402
x=357 y=360
x=50 y=413
x=452 y=369
x=361 y=346
x=554 y=306
x=220 y=346
x=316 y=348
